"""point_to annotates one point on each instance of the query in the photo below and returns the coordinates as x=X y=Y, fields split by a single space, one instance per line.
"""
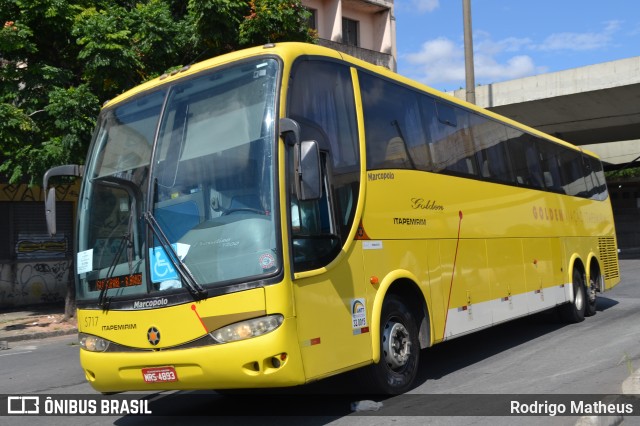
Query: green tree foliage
x=61 y=59
x=274 y=21
x=216 y=24
x=625 y=173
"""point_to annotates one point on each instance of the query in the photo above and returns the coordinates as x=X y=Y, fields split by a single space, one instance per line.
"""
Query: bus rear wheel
x=399 y=349
x=575 y=310
x=590 y=309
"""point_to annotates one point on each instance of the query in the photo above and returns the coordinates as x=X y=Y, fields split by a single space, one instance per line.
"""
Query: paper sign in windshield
x=84 y=261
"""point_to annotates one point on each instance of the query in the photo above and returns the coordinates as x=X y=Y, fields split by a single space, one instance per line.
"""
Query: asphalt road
x=534 y=355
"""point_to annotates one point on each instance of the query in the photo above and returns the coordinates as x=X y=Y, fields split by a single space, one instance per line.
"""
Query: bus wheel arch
x=574 y=311
x=410 y=293
x=403 y=329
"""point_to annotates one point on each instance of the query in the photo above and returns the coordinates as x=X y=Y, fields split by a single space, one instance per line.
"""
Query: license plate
x=159 y=375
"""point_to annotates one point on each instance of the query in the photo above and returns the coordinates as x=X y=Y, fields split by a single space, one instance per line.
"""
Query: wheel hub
x=579 y=299
x=396 y=345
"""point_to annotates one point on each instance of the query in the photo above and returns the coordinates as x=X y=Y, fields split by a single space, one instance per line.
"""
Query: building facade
x=365 y=29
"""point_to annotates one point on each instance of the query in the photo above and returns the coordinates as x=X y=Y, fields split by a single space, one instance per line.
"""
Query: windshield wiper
x=125 y=241
x=187 y=277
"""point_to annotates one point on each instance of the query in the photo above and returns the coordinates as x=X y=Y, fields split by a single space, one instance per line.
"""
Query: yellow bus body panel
x=513 y=249
x=242 y=364
x=246 y=363
x=177 y=324
x=329 y=339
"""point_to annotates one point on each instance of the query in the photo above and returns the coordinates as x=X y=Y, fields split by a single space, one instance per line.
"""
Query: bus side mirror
x=50 y=210
x=308 y=171
x=50 y=193
x=289 y=126
x=306 y=161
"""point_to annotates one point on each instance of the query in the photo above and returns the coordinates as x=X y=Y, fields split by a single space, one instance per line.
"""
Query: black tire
x=590 y=309
x=574 y=311
x=399 y=349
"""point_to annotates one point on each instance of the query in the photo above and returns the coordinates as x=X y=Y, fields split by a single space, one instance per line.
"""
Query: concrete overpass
x=587 y=106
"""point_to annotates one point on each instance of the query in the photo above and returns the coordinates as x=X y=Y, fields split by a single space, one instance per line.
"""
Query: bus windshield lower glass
x=196 y=159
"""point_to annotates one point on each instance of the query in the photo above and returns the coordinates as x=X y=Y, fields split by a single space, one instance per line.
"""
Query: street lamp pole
x=468 y=52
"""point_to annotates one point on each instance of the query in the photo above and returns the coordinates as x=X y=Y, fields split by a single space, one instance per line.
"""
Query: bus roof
x=289 y=51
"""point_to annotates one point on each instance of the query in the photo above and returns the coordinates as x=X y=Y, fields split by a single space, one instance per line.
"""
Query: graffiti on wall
x=23 y=284
x=21 y=192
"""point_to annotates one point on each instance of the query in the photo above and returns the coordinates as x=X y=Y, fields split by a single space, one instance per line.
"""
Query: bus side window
x=321 y=100
x=489 y=139
x=305 y=217
x=533 y=165
x=524 y=159
x=314 y=231
x=572 y=173
x=550 y=166
x=459 y=145
x=393 y=122
x=396 y=154
x=600 y=191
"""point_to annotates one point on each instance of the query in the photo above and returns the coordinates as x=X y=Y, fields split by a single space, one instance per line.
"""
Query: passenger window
x=458 y=150
x=393 y=125
x=491 y=151
x=409 y=129
x=549 y=161
x=446 y=114
x=597 y=173
x=573 y=182
x=525 y=160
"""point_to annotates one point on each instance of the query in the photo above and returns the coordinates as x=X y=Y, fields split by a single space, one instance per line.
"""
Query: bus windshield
x=196 y=157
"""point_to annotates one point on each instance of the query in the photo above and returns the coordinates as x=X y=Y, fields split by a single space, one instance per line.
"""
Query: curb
x=35 y=335
x=630 y=386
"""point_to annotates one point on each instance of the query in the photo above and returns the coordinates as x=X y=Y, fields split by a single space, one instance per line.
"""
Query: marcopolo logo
x=147 y=304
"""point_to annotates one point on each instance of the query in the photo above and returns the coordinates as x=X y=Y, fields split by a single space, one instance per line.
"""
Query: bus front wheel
x=574 y=311
x=399 y=349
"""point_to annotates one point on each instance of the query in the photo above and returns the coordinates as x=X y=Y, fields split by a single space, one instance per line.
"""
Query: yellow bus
x=282 y=214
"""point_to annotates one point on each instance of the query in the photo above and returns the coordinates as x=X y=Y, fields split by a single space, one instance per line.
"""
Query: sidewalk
x=34 y=322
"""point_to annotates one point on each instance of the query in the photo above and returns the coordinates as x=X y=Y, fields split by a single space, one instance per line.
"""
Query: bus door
x=328 y=285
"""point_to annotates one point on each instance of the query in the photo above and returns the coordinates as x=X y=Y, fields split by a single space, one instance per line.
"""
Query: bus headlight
x=247 y=329
x=93 y=343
